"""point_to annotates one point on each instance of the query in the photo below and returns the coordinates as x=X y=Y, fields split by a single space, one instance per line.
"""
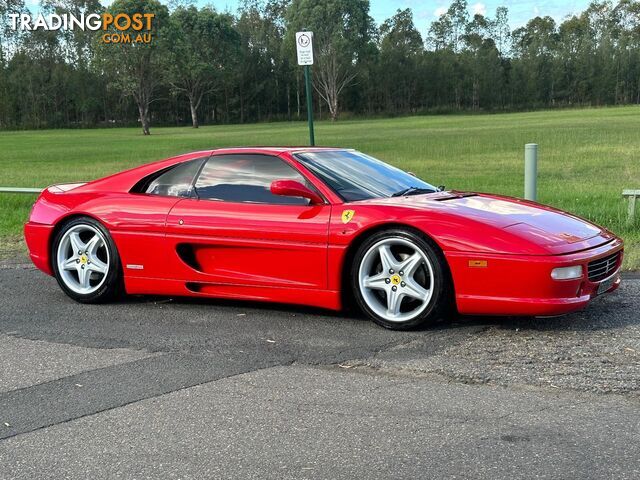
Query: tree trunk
x=144 y=118
x=288 y=101
x=226 y=105
x=194 y=113
x=332 y=102
x=334 y=110
x=476 y=94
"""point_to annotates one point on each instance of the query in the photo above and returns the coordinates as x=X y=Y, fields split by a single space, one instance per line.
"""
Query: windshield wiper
x=412 y=191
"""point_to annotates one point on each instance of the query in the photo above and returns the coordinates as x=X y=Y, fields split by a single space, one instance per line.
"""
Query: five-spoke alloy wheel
x=85 y=261
x=400 y=279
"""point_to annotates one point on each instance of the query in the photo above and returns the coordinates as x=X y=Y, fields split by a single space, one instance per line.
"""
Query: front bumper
x=522 y=285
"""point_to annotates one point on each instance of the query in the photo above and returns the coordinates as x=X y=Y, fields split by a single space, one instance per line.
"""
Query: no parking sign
x=304 y=47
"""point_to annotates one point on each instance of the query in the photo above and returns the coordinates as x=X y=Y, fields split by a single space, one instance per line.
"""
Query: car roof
x=274 y=150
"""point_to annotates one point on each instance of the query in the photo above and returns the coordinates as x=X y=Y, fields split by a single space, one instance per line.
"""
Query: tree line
x=206 y=66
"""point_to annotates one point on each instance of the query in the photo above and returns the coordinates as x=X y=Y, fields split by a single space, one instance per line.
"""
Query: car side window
x=177 y=181
x=246 y=178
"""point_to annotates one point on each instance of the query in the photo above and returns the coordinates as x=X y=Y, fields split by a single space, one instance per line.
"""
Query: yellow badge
x=347 y=215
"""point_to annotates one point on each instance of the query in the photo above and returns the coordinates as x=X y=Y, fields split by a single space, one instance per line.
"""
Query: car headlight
x=567 y=273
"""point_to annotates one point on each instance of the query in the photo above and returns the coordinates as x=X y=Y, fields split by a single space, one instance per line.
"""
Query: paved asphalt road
x=162 y=388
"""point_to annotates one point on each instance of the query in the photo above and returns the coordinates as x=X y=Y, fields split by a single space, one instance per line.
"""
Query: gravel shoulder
x=595 y=350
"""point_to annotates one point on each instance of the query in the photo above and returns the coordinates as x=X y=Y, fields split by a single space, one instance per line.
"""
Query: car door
x=137 y=220
x=234 y=231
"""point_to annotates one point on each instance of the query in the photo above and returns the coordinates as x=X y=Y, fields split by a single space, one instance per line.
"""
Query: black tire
x=439 y=307
x=113 y=286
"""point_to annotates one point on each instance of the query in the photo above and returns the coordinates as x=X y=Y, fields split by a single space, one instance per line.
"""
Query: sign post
x=304 y=48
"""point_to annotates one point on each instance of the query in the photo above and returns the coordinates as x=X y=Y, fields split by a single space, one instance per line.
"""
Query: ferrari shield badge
x=347 y=215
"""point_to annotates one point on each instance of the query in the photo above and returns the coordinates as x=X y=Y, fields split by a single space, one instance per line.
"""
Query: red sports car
x=317 y=226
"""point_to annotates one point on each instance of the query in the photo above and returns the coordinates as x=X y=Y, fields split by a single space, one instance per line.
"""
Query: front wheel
x=400 y=280
x=86 y=262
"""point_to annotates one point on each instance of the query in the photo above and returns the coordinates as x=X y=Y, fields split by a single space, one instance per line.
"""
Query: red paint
x=296 y=254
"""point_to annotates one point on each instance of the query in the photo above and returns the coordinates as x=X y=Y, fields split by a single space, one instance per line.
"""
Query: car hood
x=539 y=224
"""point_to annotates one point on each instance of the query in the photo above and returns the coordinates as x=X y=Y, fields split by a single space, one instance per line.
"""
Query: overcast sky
x=426 y=11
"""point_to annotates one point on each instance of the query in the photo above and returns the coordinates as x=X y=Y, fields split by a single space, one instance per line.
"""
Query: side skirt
x=315 y=298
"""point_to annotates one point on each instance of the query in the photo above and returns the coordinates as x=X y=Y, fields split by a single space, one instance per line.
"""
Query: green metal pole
x=307 y=81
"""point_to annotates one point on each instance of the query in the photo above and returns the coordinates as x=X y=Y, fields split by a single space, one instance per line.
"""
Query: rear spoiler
x=64 y=187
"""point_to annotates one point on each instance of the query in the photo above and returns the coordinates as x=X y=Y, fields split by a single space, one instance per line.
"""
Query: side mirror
x=293 y=188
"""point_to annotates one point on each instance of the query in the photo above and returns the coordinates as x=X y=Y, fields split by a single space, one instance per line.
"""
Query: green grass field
x=586 y=157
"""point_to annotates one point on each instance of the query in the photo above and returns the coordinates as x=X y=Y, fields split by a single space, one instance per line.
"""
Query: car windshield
x=356 y=176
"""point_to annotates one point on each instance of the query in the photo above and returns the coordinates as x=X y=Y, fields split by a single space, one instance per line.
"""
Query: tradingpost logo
x=125 y=28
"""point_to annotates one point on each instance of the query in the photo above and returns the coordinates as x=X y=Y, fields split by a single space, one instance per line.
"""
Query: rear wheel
x=86 y=262
x=400 y=280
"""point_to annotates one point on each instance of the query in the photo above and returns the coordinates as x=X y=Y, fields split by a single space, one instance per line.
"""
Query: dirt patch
x=13 y=250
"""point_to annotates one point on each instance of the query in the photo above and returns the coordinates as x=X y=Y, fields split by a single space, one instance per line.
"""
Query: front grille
x=603 y=267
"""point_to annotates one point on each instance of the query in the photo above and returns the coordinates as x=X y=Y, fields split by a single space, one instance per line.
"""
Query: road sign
x=304 y=47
